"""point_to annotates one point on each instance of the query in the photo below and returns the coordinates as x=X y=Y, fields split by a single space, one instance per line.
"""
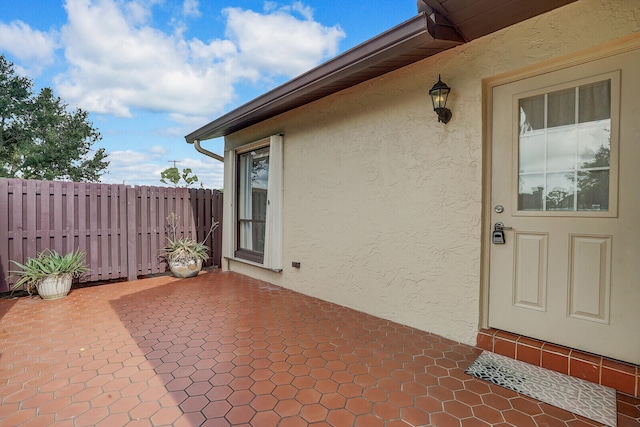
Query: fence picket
x=66 y=222
x=143 y=223
x=162 y=215
x=32 y=227
x=17 y=226
x=153 y=227
x=103 y=223
x=121 y=204
x=45 y=214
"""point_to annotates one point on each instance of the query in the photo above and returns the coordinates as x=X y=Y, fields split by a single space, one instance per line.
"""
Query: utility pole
x=174 y=162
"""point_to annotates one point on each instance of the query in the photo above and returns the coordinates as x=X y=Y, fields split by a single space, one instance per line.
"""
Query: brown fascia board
x=477 y=18
x=409 y=42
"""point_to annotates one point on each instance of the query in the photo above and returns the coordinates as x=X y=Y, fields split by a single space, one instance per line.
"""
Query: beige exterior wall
x=383 y=204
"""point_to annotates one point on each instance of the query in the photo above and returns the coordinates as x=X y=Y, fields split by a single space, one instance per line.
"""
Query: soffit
x=477 y=18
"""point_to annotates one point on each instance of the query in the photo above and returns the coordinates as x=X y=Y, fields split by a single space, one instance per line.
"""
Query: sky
x=151 y=71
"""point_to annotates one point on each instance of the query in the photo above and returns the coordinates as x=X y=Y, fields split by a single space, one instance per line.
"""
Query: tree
x=172 y=175
x=593 y=181
x=40 y=138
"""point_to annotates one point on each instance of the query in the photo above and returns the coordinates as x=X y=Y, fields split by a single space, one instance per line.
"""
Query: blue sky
x=151 y=71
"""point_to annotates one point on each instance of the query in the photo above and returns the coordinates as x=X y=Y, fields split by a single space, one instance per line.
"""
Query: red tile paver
x=222 y=349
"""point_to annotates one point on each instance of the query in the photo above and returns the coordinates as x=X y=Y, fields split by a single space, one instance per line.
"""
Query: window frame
x=240 y=252
x=271 y=258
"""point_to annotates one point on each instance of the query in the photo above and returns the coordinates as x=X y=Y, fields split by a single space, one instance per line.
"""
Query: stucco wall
x=383 y=204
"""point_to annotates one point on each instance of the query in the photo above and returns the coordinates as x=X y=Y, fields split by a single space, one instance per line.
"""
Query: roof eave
x=409 y=42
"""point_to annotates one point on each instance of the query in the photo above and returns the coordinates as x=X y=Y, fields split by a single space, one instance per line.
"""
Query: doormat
x=581 y=397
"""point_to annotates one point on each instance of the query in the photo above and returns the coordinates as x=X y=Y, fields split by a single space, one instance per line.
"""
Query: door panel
x=530 y=287
x=590 y=280
x=565 y=156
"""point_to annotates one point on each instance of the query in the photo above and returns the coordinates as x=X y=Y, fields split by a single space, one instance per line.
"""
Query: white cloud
x=118 y=62
x=190 y=8
x=278 y=43
x=304 y=10
x=158 y=150
x=128 y=157
x=116 y=66
x=210 y=172
x=33 y=47
x=136 y=13
x=144 y=168
x=189 y=120
x=131 y=168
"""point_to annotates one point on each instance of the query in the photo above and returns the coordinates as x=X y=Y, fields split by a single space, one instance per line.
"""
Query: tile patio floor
x=222 y=349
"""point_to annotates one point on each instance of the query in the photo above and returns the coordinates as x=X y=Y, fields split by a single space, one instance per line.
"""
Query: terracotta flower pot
x=55 y=287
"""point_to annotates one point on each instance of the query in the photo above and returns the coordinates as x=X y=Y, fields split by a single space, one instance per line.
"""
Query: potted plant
x=185 y=255
x=49 y=273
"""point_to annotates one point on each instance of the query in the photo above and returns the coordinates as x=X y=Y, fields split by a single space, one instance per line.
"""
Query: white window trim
x=273 y=231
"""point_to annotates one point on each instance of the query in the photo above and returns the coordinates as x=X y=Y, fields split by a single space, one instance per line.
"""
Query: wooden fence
x=122 y=229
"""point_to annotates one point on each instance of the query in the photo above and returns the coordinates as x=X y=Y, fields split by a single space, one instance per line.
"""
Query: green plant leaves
x=48 y=263
x=184 y=249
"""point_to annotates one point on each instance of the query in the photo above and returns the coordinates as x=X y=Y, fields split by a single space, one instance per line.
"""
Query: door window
x=564 y=142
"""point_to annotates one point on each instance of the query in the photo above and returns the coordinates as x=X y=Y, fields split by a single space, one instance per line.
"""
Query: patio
x=223 y=349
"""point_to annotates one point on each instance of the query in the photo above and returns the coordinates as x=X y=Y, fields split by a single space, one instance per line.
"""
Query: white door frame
x=616 y=47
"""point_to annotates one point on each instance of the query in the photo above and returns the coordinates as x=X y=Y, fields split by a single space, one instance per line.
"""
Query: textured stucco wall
x=382 y=204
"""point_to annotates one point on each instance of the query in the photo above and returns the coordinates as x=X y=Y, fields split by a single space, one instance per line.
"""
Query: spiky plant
x=48 y=263
x=185 y=249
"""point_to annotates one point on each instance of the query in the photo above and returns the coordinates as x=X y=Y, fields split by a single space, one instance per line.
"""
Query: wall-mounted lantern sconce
x=439 y=94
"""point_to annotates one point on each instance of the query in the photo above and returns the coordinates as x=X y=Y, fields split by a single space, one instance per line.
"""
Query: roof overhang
x=477 y=18
x=409 y=42
x=442 y=25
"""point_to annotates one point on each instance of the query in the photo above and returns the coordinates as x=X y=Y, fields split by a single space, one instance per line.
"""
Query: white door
x=565 y=178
